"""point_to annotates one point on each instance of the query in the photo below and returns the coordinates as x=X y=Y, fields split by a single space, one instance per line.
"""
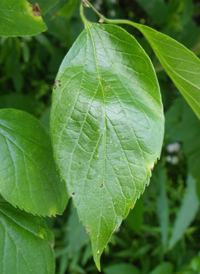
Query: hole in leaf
x=36 y=9
x=107 y=88
x=73 y=193
x=88 y=229
x=102 y=185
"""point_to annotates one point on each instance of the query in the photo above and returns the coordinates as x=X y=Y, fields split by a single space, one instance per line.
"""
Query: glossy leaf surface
x=16 y=17
x=181 y=65
x=106 y=127
x=28 y=176
x=25 y=243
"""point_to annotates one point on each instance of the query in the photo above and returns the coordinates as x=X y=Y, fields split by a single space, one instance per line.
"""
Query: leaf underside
x=107 y=127
x=182 y=65
x=24 y=243
x=28 y=176
x=18 y=19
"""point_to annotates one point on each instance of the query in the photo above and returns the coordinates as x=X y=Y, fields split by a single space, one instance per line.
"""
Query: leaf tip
x=97 y=257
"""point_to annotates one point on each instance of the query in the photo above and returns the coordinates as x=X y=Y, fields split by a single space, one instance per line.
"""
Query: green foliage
x=186 y=214
x=107 y=132
x=163 y=268
x=105 y=108
x=25 y=242
x=121 y=268
x=181 y=64
x=28 y=174
x=16 y=19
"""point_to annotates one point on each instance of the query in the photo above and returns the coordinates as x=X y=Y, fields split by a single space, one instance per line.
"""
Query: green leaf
x=44 y=5
x=181 y=64
x=28 y=176
x=25 y=243
x=163 y=268
x=121 y=268
x=186 y=214
x=16 y=19
x=68 y=8
x=106 y=126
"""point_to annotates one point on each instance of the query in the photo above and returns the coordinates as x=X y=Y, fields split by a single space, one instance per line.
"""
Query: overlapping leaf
x=25 y=243
x=28 y=176
x=181 y=64
x=106 y=127
x=17 y=18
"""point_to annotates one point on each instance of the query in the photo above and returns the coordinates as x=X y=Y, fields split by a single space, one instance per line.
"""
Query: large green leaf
x=18 y=19
x=25 y=243
x=28 y=176
x=181 y=64
x=106 y=127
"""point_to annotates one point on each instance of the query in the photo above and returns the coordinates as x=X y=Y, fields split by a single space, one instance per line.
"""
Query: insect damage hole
x=102 y=185
x=107 y=88
x=88 y=229
x=36 y=9
x=57 y=83
x=73 y=193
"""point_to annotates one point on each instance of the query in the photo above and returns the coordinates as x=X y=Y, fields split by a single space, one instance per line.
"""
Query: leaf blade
x=98 y=105
x=28 y=176
x=23 y=239
x=16 y=19
x=181 y=65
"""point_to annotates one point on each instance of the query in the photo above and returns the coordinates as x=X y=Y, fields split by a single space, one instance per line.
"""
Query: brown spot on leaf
x=36 y=9
x=102 y=185
x=107 y=88
x=88 y=229
x=73 y=193
x=51 y=244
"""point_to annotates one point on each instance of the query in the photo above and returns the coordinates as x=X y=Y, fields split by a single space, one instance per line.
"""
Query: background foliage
x=161 y=233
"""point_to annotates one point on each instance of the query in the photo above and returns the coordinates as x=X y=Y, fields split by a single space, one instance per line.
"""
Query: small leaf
x=107 y=127
x=180 y=64
x=16 y=17
x=186 y=213
x=25 y=243
x=28 y=176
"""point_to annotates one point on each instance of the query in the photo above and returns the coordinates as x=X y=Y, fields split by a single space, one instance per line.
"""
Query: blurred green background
x=162 y=233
